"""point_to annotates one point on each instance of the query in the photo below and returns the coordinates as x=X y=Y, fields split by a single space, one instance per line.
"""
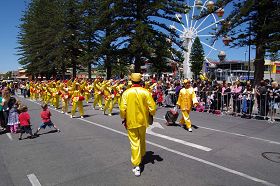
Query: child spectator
x=13 y=120
x=46 y=119
x=24 y=122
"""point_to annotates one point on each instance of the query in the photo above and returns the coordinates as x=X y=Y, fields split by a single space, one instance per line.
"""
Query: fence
x=240 y=104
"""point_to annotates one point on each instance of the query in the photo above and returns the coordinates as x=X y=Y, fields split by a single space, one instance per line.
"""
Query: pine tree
x=141 y=26
x=264 y=31
x=196 y=57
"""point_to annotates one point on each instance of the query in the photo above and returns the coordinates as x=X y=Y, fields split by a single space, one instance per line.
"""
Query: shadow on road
x=49 y=132
x=150 y=158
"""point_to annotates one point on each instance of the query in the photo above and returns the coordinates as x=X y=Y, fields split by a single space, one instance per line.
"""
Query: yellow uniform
x=77 y=102
x=108 y=97
x=97 y=94
x=136 y=105
x=65 y=97
x=186 y=100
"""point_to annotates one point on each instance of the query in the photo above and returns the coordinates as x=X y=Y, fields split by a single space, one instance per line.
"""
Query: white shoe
x=71 y=116
x=190 y=129
x=109 y=114
x=62 y=112
x=136 y=171
x=101 y=108
x=82 y=116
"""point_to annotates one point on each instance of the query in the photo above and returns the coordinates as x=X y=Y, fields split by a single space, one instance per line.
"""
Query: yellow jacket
x=136 y=105
x=187 y=98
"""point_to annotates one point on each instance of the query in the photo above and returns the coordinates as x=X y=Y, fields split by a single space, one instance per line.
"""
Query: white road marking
x=149 y=131
x=33 y=180
x=10 y=136
x=181 y=154
x=233 y=133
x=214 y=165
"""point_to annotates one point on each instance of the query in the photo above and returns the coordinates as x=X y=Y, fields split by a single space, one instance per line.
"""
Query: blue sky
x=11 y=12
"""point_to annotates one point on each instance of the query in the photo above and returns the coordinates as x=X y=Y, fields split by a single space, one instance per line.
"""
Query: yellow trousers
x=87 y=96
x=78 y=104
x=48 y=99
x=108 y=105
x=137 y=138
x=97 y=100
x=117 y=99
x=56 y=101
x=186 y=119
x=65 y=104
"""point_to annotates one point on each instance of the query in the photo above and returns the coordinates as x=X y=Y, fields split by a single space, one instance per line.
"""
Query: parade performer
x=136 y=106
x=97 y=87
x=108 y=97
x=48 y=94
x=55 y=94
x=65 y=97
x=186 y=100
x=87 y=90
x=119 y=92
x=32 y=91
x=77 y=100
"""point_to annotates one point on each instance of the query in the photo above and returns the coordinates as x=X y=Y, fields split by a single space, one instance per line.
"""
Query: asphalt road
x=221 y=150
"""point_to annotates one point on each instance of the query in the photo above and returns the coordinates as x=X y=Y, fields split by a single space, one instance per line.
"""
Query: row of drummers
x=108 y=92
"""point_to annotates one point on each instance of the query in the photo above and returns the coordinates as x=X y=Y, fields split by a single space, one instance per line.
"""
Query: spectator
x=263 y=106
x=273 y=98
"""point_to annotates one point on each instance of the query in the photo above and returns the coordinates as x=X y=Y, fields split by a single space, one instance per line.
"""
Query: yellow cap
x=135 y=77
x=186 y=81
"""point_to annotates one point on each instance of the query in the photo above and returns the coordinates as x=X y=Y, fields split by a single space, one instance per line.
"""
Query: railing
x=239 y=104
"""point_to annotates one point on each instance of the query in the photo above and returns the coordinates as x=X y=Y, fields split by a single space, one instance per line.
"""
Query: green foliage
x=59 y=34
x=264 y=31
x=197 y=57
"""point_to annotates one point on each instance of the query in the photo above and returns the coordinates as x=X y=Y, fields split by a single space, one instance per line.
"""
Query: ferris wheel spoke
x=178 y=30
x=192 y=13
x=200 y=12
x=187 y=20
x=206 y=35
x=202 y=21
x=209 y=25
x=183 y=26
x=208 y=45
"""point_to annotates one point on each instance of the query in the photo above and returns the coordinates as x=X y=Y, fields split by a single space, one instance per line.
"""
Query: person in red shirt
x=46 y=119
x=24 y=122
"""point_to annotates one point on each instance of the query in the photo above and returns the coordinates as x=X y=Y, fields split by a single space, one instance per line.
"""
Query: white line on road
x=233 y=133
x=181 y=154
x=213 y=165
x=190 y=157
x=10 y=136
x=33 y=180
x=149 y=131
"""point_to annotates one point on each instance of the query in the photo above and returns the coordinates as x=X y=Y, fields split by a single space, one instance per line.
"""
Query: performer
x=136 y=105
x=108 y=97
x=186 y=100
x=65 y=97
x=118 y=93
x=97 y=87
x=77 y=100
x=55 y=95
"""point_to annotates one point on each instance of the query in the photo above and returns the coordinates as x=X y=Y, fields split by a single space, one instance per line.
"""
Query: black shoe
x=19 y=138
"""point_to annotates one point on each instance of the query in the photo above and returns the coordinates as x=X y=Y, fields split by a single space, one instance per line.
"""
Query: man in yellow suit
x=136 y=106
x=97 y=87
x=186 y=100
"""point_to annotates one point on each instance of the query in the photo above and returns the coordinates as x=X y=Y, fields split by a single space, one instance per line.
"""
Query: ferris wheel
x=205 y=29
